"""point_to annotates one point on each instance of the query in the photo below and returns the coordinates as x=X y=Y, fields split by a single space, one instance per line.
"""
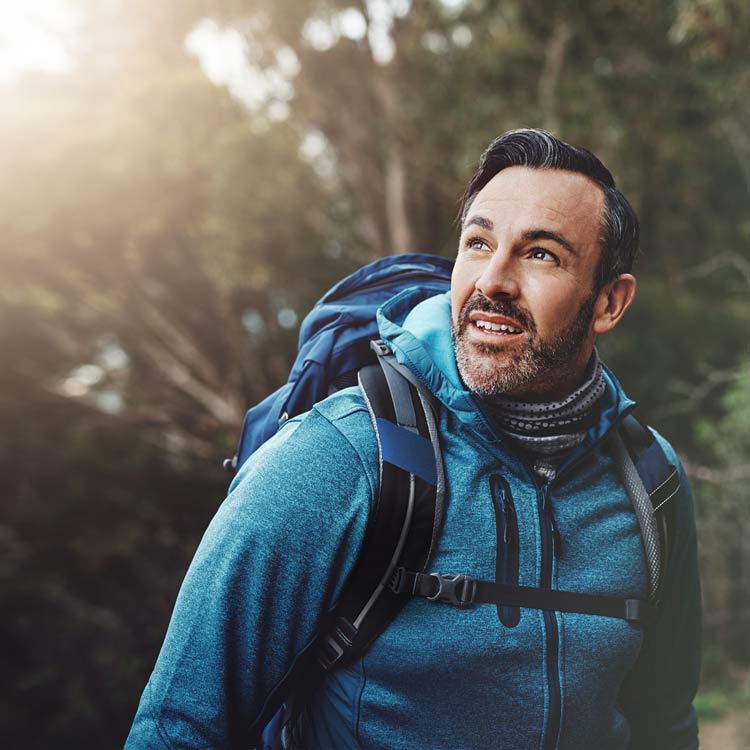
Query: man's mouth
x=500 y=328
x=493 y=324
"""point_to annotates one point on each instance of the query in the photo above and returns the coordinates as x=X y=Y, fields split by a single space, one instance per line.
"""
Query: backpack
x=338 y=347
x=334 y=341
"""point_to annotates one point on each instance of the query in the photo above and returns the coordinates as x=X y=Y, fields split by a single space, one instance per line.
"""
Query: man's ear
x=614 y=298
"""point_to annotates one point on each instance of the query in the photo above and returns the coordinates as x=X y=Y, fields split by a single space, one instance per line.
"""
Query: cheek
x=552 y=305
x=462 y=287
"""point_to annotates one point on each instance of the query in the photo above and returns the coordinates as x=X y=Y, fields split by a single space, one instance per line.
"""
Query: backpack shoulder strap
x=407 y=518
x=403 y=529
x=650 y=481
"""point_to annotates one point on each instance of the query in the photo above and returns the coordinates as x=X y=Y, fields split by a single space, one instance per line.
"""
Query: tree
x=162 y=241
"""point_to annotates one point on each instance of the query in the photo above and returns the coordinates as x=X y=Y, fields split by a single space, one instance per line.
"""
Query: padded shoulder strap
x=403 y=529
x=651 y=481
x=406 y=519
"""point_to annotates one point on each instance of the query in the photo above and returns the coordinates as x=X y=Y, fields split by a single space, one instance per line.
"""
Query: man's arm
x=271 y=563
x=657 y=696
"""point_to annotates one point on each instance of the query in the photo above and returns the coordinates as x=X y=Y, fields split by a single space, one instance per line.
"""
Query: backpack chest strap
x=464 y=591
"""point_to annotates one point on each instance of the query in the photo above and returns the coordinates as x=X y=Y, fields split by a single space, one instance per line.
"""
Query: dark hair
x=542 y=150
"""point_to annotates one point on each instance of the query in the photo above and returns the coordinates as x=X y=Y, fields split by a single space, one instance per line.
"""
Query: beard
x=538 y=367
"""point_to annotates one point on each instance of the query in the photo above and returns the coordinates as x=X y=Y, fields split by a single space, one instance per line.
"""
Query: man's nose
x=499 y=278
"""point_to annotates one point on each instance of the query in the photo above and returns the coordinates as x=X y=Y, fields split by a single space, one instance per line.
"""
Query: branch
x=716 y=475
x=694 y=394
x=554 y=60
x=153 y=423
x=182 y=347
x=734 y=260
x=224 y=411
x=740 y=142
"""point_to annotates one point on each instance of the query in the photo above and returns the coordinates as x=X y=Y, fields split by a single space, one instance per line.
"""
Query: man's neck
x=549 y=430
x=556 y=386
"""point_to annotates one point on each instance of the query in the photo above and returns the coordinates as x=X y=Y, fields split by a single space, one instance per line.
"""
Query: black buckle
x=458 y=590
x=379 y=348
x=336 y=645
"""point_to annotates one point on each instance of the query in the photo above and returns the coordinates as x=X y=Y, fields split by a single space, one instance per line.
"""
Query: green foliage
x=715 y=704
x=160 y=240
x=729 y=436
x=724 y=525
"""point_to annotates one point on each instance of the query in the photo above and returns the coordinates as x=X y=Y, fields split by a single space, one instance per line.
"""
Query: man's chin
x=491 y=384
x=489 y=370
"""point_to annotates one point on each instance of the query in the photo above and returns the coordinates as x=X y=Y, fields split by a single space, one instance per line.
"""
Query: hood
x=416 y=326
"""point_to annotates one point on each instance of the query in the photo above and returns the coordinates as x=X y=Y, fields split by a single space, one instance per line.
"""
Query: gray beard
x=537 y=368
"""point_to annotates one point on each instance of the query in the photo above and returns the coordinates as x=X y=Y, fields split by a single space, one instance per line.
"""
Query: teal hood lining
x=416 y=326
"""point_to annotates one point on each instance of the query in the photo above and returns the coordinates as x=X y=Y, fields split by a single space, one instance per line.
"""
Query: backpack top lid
x=356 y=298
x=334 y=341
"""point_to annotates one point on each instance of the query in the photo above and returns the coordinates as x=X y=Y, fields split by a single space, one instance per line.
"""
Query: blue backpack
x=334 y=341
x=339 y=347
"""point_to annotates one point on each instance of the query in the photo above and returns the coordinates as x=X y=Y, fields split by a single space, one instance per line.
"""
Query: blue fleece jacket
x=275 y=557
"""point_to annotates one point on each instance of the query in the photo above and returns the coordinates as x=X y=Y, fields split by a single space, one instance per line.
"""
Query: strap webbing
x=463 y=591
x=401 y=396
x=401 y=525
x=644 y=512
x=651 y=481
x=407 y=450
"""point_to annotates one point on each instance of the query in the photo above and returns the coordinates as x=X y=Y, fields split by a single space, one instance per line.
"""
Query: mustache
x=502 y=306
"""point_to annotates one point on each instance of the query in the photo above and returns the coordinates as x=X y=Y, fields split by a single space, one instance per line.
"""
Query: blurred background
x=180 y=180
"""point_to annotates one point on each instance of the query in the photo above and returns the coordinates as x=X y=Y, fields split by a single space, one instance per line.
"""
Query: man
x=533 y=498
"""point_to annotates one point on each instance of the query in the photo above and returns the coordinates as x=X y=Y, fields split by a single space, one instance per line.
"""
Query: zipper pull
x=506 y=508
x=556 y=537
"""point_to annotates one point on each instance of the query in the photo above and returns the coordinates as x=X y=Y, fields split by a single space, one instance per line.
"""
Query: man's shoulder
x=334 y=441
x=346 y=411
x=346 y=406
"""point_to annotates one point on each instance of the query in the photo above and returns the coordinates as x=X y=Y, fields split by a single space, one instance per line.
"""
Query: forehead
x=523 y=198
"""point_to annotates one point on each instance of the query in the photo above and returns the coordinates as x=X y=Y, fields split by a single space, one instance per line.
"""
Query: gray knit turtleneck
x=549 y=430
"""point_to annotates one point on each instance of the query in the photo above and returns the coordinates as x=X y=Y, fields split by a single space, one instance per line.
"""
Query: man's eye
x=545 y=255
x=475 y=243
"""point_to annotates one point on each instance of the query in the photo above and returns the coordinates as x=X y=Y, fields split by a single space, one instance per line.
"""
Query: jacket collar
x=416 y=325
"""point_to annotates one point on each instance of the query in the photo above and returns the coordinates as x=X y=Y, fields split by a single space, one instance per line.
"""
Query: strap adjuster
x=458 y=590
x=639 y=612
x=397 y=584
x=380 y=348
x=336 y=644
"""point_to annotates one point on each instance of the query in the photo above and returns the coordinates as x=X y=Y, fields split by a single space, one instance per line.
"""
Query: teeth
x=496 y=326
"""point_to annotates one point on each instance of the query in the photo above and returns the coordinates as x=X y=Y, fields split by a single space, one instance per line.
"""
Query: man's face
x=522 y=291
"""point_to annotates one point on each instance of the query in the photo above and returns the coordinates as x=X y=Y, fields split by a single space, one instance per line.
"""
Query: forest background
x=179 y=188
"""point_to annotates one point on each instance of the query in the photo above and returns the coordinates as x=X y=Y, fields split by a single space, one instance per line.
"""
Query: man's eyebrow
x=545 y=234
x=480 y=221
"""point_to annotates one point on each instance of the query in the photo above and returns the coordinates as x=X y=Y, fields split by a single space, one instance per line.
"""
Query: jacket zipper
x=550 y=543
x=506 y=564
